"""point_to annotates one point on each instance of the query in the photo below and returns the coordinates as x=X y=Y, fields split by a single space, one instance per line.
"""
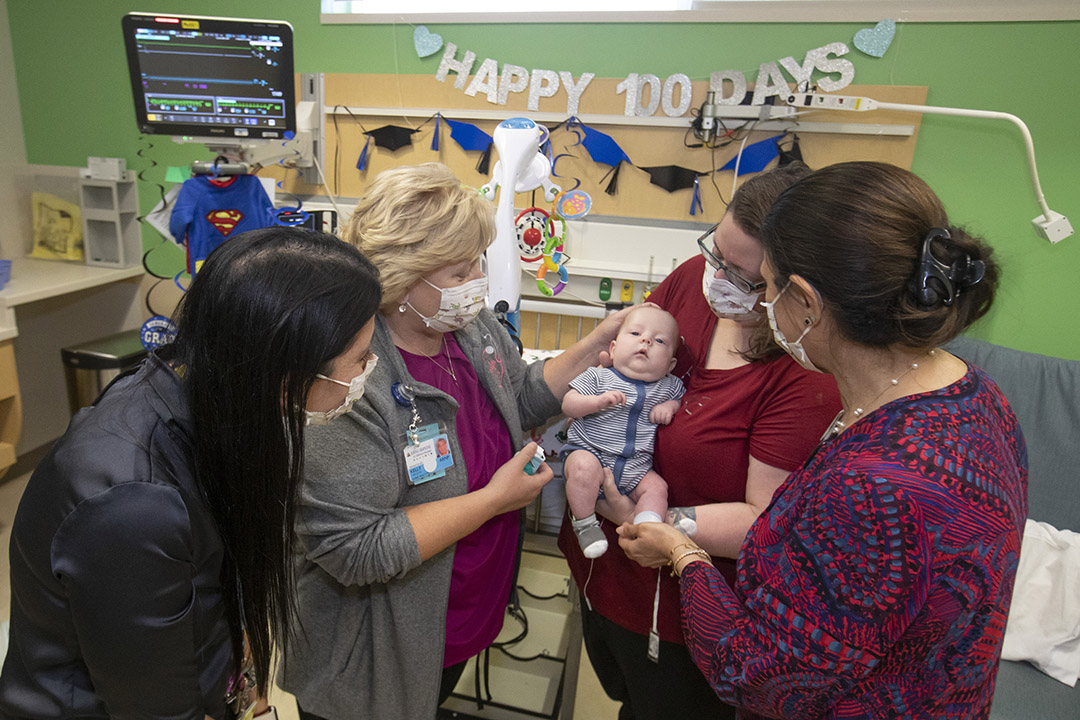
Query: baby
x=615 y=412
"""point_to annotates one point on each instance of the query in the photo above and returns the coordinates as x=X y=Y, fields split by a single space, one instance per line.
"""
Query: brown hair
x=855 y=231
x=748 y=208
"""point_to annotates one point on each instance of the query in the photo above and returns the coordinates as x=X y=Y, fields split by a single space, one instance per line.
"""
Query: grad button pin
x=157 y=331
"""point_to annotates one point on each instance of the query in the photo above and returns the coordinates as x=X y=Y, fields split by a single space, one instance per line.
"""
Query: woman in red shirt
x=750 y=416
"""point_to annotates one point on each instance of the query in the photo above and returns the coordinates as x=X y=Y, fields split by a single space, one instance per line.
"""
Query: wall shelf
x=111 y=234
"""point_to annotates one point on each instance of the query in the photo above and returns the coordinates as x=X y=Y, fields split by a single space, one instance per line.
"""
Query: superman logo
x=224 y=220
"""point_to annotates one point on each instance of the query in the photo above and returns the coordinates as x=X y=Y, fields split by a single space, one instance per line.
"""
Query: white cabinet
x=110 y=212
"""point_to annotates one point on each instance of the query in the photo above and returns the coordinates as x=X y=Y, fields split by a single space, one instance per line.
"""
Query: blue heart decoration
x=429 y=43
x=876 y=40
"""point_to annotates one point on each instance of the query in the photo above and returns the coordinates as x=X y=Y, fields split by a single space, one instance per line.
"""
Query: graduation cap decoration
x=602 y=148
x=754 y=157
x=672 y=177
x=470 y=138
x=390 y=137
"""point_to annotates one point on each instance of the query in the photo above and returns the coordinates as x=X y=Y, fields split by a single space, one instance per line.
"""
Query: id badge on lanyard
x=427 y=447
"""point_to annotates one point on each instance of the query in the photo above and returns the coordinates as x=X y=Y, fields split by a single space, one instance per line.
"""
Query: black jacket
x=115 y=560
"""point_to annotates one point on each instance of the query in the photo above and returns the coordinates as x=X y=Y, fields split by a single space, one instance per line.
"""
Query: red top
x=483 y=559
x=773 y=410
x=878 y=582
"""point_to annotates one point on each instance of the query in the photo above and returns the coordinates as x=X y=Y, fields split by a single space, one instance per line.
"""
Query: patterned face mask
x=458 y=305
x=725 y=299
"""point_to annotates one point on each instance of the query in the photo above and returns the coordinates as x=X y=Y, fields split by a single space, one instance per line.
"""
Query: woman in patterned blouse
x=878 y=581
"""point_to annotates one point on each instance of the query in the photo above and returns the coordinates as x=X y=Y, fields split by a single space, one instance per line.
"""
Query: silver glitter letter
x=514 y=79
x=738 y=87
x=544 y=83
x=802 y=73
x=486 y=81
x=835 y=65
x=573 y=91
x=461 y=67
x=770 y=81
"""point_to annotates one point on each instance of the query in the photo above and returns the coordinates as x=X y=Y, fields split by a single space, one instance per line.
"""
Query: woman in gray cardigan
x=408 y=551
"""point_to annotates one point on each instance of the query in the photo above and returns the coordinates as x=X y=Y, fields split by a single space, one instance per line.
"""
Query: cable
x=518 y=614
x=329 y=193
x=397 y=74
x=738 y=159
x=534 y=596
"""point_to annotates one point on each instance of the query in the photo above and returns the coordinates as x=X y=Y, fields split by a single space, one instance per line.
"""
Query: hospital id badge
x=427 y=453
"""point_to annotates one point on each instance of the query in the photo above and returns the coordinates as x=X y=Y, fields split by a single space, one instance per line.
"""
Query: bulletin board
x=635 y=195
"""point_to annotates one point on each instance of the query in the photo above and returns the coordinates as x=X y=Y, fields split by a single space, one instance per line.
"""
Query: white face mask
x=458 y=305
x=726 y=300
x=356 y=391
x=793 y=348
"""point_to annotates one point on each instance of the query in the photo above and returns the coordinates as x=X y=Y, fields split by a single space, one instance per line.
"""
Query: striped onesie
x=622 y=436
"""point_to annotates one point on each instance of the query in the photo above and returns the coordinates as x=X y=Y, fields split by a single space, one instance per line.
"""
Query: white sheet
x=1044 y=620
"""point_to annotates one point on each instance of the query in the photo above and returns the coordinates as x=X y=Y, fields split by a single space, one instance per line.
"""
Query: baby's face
x=644 y=349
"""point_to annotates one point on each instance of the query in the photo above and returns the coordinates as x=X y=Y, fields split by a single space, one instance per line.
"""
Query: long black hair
x=268 y=310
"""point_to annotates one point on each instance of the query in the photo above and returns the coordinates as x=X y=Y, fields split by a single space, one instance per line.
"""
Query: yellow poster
x=58 y=233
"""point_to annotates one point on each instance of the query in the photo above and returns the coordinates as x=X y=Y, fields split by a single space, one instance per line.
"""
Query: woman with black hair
x=878 y=581
x=157 y=534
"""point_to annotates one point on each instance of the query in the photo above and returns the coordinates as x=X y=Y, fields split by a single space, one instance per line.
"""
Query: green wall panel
x=75 y=102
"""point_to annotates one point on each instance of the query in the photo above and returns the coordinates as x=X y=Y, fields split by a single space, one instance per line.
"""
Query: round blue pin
x=157 y=331
x=402 y=394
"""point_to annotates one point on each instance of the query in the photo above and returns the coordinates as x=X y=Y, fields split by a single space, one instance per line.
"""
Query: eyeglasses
x=705 y=244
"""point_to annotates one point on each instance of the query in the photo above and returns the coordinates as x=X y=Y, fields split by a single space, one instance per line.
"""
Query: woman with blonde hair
x=408 y=556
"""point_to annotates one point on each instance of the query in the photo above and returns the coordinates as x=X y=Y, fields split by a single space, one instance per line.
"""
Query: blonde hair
x=416 y=219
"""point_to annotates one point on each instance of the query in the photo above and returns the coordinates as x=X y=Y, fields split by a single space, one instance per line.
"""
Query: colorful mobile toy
x=568 y=205
x=573 y=205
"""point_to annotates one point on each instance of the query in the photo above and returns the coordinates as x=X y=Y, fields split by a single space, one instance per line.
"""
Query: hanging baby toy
x=521 y=167
x=531 y=236
x=571 y=205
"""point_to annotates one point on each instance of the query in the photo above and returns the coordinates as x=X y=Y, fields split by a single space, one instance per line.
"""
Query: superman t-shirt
x=210 y=211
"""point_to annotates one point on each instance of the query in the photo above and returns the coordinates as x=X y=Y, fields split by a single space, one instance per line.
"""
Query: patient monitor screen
x=211 y=77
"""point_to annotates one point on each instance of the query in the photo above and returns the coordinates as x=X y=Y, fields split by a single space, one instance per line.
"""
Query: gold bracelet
x=697 y=551
x=673 y=550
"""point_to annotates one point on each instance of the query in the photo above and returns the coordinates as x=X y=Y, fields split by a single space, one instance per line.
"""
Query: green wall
x=75 y=102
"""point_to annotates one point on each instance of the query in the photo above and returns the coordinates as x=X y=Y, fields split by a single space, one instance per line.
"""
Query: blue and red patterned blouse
x=878 y=581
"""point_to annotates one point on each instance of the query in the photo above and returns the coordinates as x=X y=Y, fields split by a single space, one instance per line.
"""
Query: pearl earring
x=401 y=308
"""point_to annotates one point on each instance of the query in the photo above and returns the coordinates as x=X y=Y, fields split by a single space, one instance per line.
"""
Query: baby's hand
x=610 y=399
x=663 y=413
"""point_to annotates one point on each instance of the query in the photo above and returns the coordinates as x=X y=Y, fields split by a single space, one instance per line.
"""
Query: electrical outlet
x=1054 y=226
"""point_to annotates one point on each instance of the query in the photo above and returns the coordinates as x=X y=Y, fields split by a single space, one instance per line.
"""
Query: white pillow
x=1044 y=619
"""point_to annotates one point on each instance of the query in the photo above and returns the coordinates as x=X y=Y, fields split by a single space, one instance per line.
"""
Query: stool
x=89 y=367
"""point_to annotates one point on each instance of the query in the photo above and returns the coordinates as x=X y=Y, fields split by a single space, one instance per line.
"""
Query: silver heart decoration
x=427 y=42
x=876 y=40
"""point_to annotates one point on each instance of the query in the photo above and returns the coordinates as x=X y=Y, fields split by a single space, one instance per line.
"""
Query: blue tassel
x=435 y=137
x=361 y=163
x=695 y=201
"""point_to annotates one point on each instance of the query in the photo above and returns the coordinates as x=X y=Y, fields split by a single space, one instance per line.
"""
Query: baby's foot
x=590 y=537
x=592 y=541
